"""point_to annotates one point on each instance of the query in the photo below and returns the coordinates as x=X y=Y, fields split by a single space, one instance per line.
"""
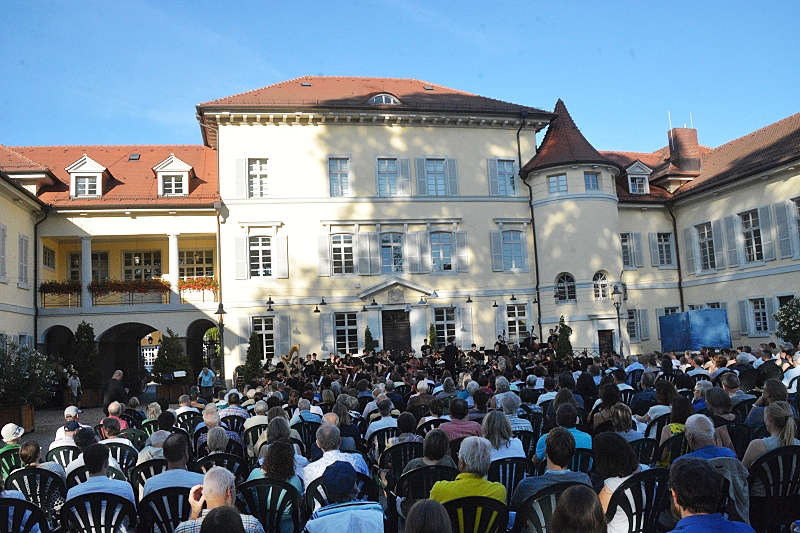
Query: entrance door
x=396 y=330
x=605 y=340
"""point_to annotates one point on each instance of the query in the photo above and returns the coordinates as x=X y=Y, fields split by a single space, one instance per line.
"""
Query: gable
x=638 y=168
x=85 y=164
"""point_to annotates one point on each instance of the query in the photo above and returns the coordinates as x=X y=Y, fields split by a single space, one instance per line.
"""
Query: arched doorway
x=194 y=343
x=58 y=344
x=119 y=349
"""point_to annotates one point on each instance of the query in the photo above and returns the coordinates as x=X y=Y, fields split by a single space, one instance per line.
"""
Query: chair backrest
x=81 y=474
x=132 y=421
x=477 y=515
x=363 y=401
x=582 y=460
x=98 y=430
x=526 y=437
x=188 y=421
x=509 y=472
x=20 y=516
x=144 y=471
x=377 y=441
x=420 y=411
x=125 y=455
x=162 y=510
x=149 y=427
x=397 y=456
x=307 y=431
x=655 y=426
x=779 y=473
x=455 y=445
x=9 y=461
x=740 y=435
x=137 y=415
x=402 y=390
x=137 y=437
x=234 y=463
x=742 y=409
x=98 y=512
x=640 y=498
x=268 y=500
x=536 y=419
x=429 y=425
x=634 y=379
x=668 y=377
x=627 y=395
x=416 y=484
x=535 y=513
x=644 y=449
x=315 y=497
x=251 y=436
x=234 y=423
x=41 y=487
x=63 y=455
x=545 y=405
x=672 y=448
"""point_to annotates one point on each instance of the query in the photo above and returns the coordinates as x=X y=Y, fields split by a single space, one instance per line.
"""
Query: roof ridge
x=755 y=132
x=22 y=156
x=252 y=90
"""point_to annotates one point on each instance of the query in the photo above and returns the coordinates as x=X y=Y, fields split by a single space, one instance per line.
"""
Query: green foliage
x=369 y=342
x=563 y=346
x=27 y=377
x=251 y=370
x=171 y=357
x=432 y=338
x=788 y=318
x=209 y=335
x=85 y=359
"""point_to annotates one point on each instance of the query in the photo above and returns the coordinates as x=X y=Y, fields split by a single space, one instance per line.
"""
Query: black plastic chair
x=657 y=425
x=234 y=423
x=671 y=449
x=634 y=379
x=740 y=435
x=419 y=411
x=429 y=425
x=81 y=474
x=233 y=448
x=137 y=437
x=776 y=475
x=582 y=460
x=402 y=390
x=526 y=437
x=315 y=497
x=9 y=461
x=416 y=484
x=144 y=471
x=509 y=472
x=742 y=409
x=162 y=510
x=377 y=441
x=188 y=421
x=641 y=498
x=234 y=463
x=63 y=455
x=20 y=516
x=668 y=377
x=396 y=457
x=125 y=455
x=42 y=488
x=98 y=430
x=98 y=512
x=308 y=433
x=130 y=420
x=455 y=445
x=535 y=418
x=135 y=414
x=477 y=515
x=149 y=427
x=644 y=449
x=534 y=514
x=251 y=436
x=267 y=500
x=627 y=395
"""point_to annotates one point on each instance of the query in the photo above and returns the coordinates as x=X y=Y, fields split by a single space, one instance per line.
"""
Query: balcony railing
x=192 y=295
x=70 y=299
x=130 y=298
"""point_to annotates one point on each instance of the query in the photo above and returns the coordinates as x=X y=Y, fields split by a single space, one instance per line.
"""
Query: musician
x=425 y=349
x=451 y=355
x=475 y=354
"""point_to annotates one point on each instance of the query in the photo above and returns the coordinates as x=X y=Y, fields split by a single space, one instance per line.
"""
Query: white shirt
x=546 y=396
x=624 y=386
x=186 y=409
x=787 y=378
x=60 y=431
x=118 y=440
x=314 y=470
x=61 y=442
x=512 y=449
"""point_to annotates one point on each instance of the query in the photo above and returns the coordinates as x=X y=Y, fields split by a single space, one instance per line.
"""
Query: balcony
x=131 y=292
x=60 y=294
x=199 y=289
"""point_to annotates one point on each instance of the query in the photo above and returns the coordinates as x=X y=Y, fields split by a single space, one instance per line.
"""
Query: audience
x=622 y=422
x=474 y=458
x=780 y=423
x=343 y=512
x=328 y=440
x=218 y=490
x=96 y=458
x=435 y=452
x=578 y=510
x=566 y=417
x=427 y=516
x=176 y=452
x=459 y=425
x=614 y=463
x=222 y=518
x=497 y=431
x=700 y=437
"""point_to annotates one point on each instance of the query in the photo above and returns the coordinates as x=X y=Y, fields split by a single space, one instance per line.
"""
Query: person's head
x=609 y=395
x=278 y=460
x=219 y=487
x=211 y=418
x=110 y=427
x=448 y=385
x=330 y=418
x=718 y=401
x=343 y=413
x=775 y=391
x=217 y=439
x=328 y=437
x=701 y=387
x=481 y=398
x=303 y=404
x=84 y=438
x=510 y=404
x=11 y=433
x=665 y=391
x=619 y=375
x=117 y=375
x=647 y=381
x=566 y=416
x=166 y=420
x=385 y=407
x=276 y=412
x=95 y=457
x=427 y=516
x=779 y=421
x=474 y=455
x=435 y=445
x=184 y=400
x=559 y=448
x=459 y=408
x=613 y=456
x=70 y=428
x=549 y=384
x=339 y=480
x=694 y=486
x=699 y=431
x=278 y=429
x=730 y=382
x=176 y=450
x=681 y=410
x=153 y=410
x=114 y=409
x=260 y=408
x=501 y=385
x=621 y=417
x=406 y=423
x=578 y=510
x=71 y=413
x=496 y=429
x=222 y=518
x=30 y=452
x=327 y=396
x=422 y=387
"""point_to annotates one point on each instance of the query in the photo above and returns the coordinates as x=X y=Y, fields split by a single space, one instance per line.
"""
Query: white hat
x=71 y=411
x=11 y=431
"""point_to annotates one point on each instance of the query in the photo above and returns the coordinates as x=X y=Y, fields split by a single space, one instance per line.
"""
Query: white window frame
x=671 y=310
x=89 y=180
x=439 y=263
x=516 y=261
x=339 y=179
x=48 y=253
x=340 y=249
x=591 y=180
x=638 y=184
x=156 y=268
x=257 y=177
x=444 y=321
x=384 y=99
x=392 y=267
x=175 y=179
x=387 y=179
x=713 y=305
x=754 y=316
x=632 y=325
x=628 y=243
x=187 y=259
x=97 y=274
x=705 y=244
x=264 y=327
x=435 y=185
x=346 y=333
x=601 y=286
x=754 y=232
x=517 y=322
x=557 y=184
x=666 y=247
x=506 y=182
x=263 y=256
x=565 y=286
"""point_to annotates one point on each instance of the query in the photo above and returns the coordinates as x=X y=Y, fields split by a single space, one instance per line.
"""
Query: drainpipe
x=677 y=255
x=46 y=210
x=522 y=115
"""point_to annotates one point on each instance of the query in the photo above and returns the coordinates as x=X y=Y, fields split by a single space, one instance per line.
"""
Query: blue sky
x=131 y=72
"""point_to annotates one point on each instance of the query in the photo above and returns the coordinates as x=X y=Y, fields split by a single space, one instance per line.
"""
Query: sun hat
x=11 y=431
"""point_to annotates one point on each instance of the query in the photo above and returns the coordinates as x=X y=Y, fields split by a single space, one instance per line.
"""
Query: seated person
x=406 y=426
x=614 y=463
x=497 y=431
x=435 y=452
x=84 y=438
x=385 y=421
x=185 y=405
x=566 y=417
x=622 y=422
x=774 y=391
x=699 y=433
x=70 y=413
x=646 y=398
x=110 y=430
x=459 y=424
x=96 y=457
x=510 y=405
x=579 y=510
x=343 y=512
x=176 y=452
x=30 y=453
x=780 y=423
x=154 y=448
x=474 y=458
x=328 y=440
x=304 y=413
x=277 y=463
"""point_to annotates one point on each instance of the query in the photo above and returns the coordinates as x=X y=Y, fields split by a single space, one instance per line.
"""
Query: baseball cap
x=339 y=478
x=72 y=425
x=11 y=431
x=71 y=411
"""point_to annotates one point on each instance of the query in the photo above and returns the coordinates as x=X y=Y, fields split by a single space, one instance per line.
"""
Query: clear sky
x=92 y=72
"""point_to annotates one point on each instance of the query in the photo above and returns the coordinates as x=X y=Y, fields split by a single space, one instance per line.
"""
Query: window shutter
x=422 y=183
x=280 y=257
x=21 y=260
x=644 y=325
x=245 y=331
x=425 y=259
x=3 y=273
x=377 y=181
x=411 y=253
x=241 y=256
x=241 y=178
x=284 y=334
x=362 y=253
x=719 y=243
x=374 y=253
x=360 y=318
x=672 y=261
x=405 y=177
x=452 y=177
x=499 y=321
x=744 y=318
x=462 y=254
x=497 y=250
x=659 y=314
x=324 y=252
x=518 y=186
x=794 y=224
x=637 y=250
x=653 y=238
x=767 y=240
x=782 y=229
x=731 y=241
x=772 y=308
x=326 y=333
x=494 y=186
x=523 y=239
x=464 y=333
x=688 y=244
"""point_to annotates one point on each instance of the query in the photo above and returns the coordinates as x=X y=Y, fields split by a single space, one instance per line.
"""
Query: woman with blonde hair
x=497 y=430
x=622 y=422
x=779 y=420
x=153 y=411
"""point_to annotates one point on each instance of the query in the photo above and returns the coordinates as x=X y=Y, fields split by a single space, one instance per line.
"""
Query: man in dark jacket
x=451 y=356
x=114 y=391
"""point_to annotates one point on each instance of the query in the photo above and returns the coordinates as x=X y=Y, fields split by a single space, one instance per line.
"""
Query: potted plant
x=251 y=371
x=86 y=363
x=28 y=380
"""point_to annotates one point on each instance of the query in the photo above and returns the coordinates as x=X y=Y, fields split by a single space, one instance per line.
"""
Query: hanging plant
x=60 y=287
x=99 y=288
x=198 y=284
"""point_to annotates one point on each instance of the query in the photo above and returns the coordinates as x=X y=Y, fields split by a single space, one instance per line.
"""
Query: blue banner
x=694 y=330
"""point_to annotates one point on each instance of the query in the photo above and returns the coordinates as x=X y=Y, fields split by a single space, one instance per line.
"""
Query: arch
x=384 y=99
x=58 y=342
x=565 y=287
x=118 y=347
x=195 y=348
x=601 y=285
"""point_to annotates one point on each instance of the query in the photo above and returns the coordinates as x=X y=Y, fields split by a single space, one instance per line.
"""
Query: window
x=260 y=256
x=346 y=326
x=388 y=177
x=513 y=256
x=384 y=99
x=565 y=288
x=74 y=267
x=257 y=185
x=149 y=356
x=444 y=320
x=435 y=179
x=638 y=184
x=664 y=242
x=342 y=253
x=592 y=181
x=442 y=251
x=751 y=230
x=141 y=265
x=714 y=305
x=785 y=299
x=694 y=307
x=705 y=239
x=797 y=213
x=633 y=325
x=48 y=257
x=670 y=311
x=517 y=319
x=195 y=263
x=172 y=185
x=86 y=186
x=760 y=322
x=556 y=184
x=24 y=250
x=628 y=258
x=263 y=326
x=391 y=252
x=99 y=266
x=600 y=284
x=339 y=175
x=505 y=177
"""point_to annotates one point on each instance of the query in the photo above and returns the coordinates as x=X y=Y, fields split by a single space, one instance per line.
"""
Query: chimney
x=684 y=151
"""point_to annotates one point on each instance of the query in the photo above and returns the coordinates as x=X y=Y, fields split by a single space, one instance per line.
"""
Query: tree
x=788 y=318
x=85 y=358
x=171 y=357
x=369 y=342
x=251 y=369
x=432 y=337
x=563 y=346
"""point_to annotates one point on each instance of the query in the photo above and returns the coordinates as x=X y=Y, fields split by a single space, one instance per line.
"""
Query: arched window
x=384 y=99
x=565 y=288
x=600 y=282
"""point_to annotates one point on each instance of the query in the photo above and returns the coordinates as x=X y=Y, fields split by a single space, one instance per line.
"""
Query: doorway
x=605 y=341
x=396 y=330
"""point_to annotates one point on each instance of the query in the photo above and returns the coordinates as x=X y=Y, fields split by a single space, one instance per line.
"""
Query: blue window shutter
x=452 y=177
x=494 y=186
x=241 y=178
x=425 y=259
x=644 y=325
x=284 y=334
x=422 y=183
x=688 y=244
x=324 y=251
x=326 y=333
x=362 y=253
x=242 y=256
x=719 y=243
x=767 y=240
x=523 y=238
x=744 y=318
x=782 y=229
x=653 y=238
x=772 y=308
x=497 y=251
x=374 y=253
x=637 y=250
x=462 y=253
x=731 y=240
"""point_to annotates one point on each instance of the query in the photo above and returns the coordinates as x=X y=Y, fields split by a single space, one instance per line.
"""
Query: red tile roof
x=11 y=161
x=564 y=143
x=131 y=183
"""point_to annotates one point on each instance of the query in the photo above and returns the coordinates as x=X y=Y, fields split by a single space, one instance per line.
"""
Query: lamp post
x=221 y=331
x=616 y=298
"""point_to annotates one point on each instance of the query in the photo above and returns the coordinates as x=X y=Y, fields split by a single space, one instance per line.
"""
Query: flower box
x=100 y=288
x=22 y=415
x=198 y=284
x=60 y=287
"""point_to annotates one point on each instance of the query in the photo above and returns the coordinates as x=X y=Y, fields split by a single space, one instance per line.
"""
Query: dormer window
x=173 y=177
x=172 y=184
x=638 y=185
x=85 y=186
x=86 y=178
x=384 y=99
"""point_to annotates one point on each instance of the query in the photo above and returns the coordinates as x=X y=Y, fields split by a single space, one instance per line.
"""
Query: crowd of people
x=586 y=427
